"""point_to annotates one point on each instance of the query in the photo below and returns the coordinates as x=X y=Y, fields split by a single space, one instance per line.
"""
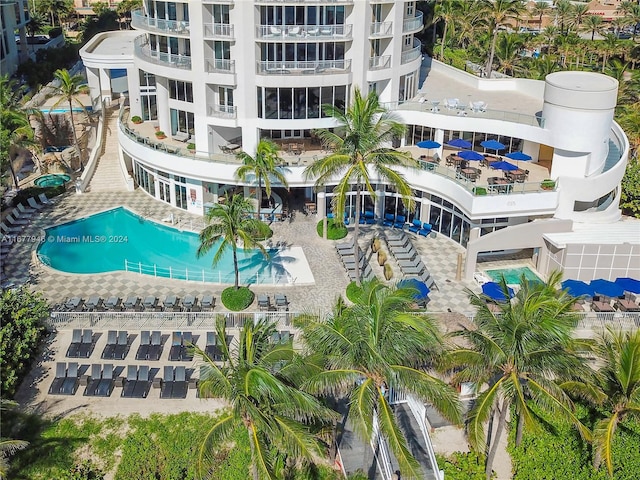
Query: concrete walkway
x=107 y=176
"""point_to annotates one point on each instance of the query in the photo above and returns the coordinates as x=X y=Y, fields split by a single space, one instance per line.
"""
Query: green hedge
x=353 y=292
x=334 y=231
x=23 y=195
x=462 y=466
x=236 y=300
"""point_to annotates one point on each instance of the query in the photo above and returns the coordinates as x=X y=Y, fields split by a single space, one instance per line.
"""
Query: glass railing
x=378 y=63
x=293 y=32
x=139 y=20
x=225 y=2
x=381 y=29
x=223 y=30
x=222 y=111
x=412 y=24
x=303 y=1
x=411 y=55
x=217 y=65
x=317 y=67
x=435 y=107
x=143 y=50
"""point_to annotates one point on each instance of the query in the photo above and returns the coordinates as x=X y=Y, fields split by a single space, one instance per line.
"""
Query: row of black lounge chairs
x=408 y=259
x=171 y=303
x=345 y=252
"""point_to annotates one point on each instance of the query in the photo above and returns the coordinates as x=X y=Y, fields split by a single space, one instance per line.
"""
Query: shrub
x=236 y=300
x=479 y=191
x=548 y=184
x=23 y=195
x=85 y=471
x=334 y=231
x=382 y=257
x=462 y=466
x=353 y=292
x=55 y=32
x=388 y=271
x=23 y=313
x=191 y=146
x=136 y=119
x=160 y=134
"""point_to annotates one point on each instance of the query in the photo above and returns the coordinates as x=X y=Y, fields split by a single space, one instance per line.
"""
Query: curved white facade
x=223 y=74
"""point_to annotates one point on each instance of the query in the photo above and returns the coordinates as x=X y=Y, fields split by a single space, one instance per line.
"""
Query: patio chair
x=94 y=380
x=76 y=340
x=44 y=200
x=399 y=221
x=155 y=349
x=142 y=385
x=122 y=345
x=175 y=353
x=26 y=211
x=61 y=373
x=180 y=384
x=167 y=382
x=210 y=346
x=281 y=300
x=263 y=302
x=86 y=345
x=34 y=204
x=70 y=383
x=107 y=382
x=415 y=225
x=389 y=219
x=208 y=302
x=130 y=381
x=425 y=230
x=112 y=339
x=145 y=344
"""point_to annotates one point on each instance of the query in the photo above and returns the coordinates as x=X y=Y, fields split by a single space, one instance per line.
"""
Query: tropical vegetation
x=360 y=147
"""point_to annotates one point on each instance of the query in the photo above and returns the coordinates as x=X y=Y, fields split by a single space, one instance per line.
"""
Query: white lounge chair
x=44 y=200
x=25 y=210
x=34 y=204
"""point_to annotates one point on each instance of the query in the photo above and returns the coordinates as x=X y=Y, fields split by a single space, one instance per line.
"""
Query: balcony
x=142 y=50
x=316 y=67
x=223 y=2
x=218 y=30
x=217 y=65
x=222 y=111
x=304 y=32
x=151 y=24
x=413 y=24
x=322 y=2
x=379 y=63
x=411 y=55
x=381 y=29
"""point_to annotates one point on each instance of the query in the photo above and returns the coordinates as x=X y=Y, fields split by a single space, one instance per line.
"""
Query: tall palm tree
x=593 y=24
x=545 y=65
x=70 y=89
x=608 y=47
x=518 y=353
x=580 y=12
x=263 y=166
x=358 y=150
x=229 y=224
x=446 y=12
x=618 y=355
x=540 y=9
x=507 y=52
x=497 y=14
x=260 y=383
x=563 y=14
x=375 y=344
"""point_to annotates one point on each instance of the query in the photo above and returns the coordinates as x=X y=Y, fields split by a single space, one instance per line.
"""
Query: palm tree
x=608 y=47
x=8 y=446
x=375 y=344
x=580 y=13
x=497 y=14
x=593 y=24
x=563 y=14
x=518 y=353
x=507 y=52
x=618 y=353
x=540 y=9
x=70 y=88
x=545 y=65
x=446 y=12
x=262 y=167
x=260 y=383
x=229 y=224
x=358 y=151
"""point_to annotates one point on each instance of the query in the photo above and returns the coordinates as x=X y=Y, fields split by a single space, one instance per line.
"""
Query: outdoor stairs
x=107 y=176
x=412 y=432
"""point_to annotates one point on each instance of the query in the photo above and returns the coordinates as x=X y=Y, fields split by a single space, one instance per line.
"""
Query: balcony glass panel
x=411 y=55
x=144 y=51
x=380 y=62
x=381 y=29
x=218 y=30
x=214 y=65
x=222 y=111
x=304 y=32
x=412 y=24
x=139 y=20
x=317 y=67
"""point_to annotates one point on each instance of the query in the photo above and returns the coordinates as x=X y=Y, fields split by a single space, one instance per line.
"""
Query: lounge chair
x=208 y=302
x=145 y=344
x=9 y=230
x=122 y=345
x=76 y=340
x=130 y=381
x=19 y=215
x=15 y=221
x=141 y=388
x=175 y=353
x=281 y=300
x=94 y=380
x=112 y=339
x=263 y=302
x=155 y=349
x=70 y=383
x=132 y=303
x=415 y=226
x=61 y=373
x=86 y=345
x=26 y=211
x=167 y=382
x=180 y=384
x=107 y=382
x=389 y=219
x=187 y=344
x=210 y=346
x=44 y=200
x=34 y=204
x=399 y=221
x=425 y=230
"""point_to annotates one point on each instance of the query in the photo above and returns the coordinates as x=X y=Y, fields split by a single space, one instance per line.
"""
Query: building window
x=181 y=91
x=182 y=121
x=411 y=9
x=299 y=103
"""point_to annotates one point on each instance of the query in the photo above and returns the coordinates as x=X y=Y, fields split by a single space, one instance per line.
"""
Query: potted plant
x=479 y=190
x=191 y=147
x=136 y=119
x=548 y=184
x=160 y=135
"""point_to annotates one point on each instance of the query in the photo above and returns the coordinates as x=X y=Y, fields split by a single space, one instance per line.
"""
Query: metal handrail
x=224 y=30
x=222 y=111
x=381 y=450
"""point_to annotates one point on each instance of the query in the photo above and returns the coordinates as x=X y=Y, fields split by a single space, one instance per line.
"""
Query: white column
x=162 y=93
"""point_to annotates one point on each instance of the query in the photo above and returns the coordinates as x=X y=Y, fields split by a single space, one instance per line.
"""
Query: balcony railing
x=379 y=63
x=143 y=50
x=411 y=55
x=139 y=20
x=317 y=67
x=217 y=65
x=224 y=2
x=303 y=32
x=222 y=111
x=381 y=29
x=218 y=30
x=304 y=1
x=412 y=24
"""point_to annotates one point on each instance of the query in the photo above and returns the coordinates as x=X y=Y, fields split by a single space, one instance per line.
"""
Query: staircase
x=107 y=176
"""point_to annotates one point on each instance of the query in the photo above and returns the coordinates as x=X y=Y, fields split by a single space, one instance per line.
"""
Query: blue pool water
x=65 y=110
x=513 y=275
x=105 y=242
x=52 y=180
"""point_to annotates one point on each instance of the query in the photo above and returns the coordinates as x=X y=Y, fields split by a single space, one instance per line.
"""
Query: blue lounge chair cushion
x=399 y=222
x=426 y=229
x=415 y=225
x=389 y=219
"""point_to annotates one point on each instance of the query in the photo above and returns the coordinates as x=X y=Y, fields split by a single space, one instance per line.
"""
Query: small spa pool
x=513 y=275
x=52 y=180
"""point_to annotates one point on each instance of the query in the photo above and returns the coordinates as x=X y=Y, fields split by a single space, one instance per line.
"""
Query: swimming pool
x=513 y=275
x=120 y=240
x=52 y=180
x=60 y=110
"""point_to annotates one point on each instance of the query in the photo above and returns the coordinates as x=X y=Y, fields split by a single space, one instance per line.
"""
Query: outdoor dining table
x=489 y=159
x=131 y=302
x=470 y=173
x=501 y=185
x=150 y=302
x=92 y=303
x=516 y=175
x=112 y=302
x=454 y=160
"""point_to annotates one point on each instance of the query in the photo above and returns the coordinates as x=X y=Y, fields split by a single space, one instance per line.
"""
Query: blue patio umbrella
x=506 y=166
x=459 y=143
x=576 y=288
x=428 y=144
x=493 y=145
x=470 y=155
x=628 y=284
x=494 y=291
x=607 y=288
x=518 y=156
x=421 y=289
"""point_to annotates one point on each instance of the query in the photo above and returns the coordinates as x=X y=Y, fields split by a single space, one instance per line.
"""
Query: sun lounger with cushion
x=155 y=349
x=25 y=210
x=208 y=302
x=167 y=382
x=112 y=338
x=70 y=384
x=76 y=340
x=143 y=384
x=86 y=346
x=175 y=353
x=15 y=221
x=263 y=302
x=145 y=344
x=94 y=380
x=122 y=345
x=130 y=381
x=61 y=373
x=107 y=382
x=44 y=200
x=34 y=204
x=180 y=384
x=209 y=348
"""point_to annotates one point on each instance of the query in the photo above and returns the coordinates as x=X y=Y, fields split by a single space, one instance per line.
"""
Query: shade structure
x=428 y=144
x=493 y=145
x=628 y=284
x=459 y=143
x=506 y=166
x=422 y=291
x=576 y=288
x=607 y=288
x=494 y=291
x=518 y=156
x=470 y=155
